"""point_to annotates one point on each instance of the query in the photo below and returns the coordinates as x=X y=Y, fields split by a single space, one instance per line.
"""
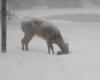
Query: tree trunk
x=3 y=26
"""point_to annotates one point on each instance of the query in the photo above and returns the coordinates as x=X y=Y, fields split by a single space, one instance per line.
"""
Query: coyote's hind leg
x=25 y=41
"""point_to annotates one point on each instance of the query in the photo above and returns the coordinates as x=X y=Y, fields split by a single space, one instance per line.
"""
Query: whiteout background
x=82 y=63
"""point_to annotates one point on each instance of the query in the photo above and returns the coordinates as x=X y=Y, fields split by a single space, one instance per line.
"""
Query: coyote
x=47 y=31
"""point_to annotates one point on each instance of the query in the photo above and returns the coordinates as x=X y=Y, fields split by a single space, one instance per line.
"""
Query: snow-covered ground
x=49 y=11
x=82 y=63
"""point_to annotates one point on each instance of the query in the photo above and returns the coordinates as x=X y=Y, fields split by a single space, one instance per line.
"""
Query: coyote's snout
x=45 y=30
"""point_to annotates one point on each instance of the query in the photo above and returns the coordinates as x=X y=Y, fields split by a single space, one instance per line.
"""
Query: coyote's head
x=62 y=45
x=65 y=51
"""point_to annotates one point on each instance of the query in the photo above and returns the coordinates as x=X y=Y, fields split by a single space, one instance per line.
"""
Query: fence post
x=3 y=25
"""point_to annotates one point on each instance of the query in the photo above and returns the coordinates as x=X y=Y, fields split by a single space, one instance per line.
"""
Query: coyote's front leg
x=50 y=46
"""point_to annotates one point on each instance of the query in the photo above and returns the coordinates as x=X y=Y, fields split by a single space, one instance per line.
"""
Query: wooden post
x=3 y=25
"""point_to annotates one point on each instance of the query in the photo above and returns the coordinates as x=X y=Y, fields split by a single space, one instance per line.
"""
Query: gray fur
x=45 y=30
